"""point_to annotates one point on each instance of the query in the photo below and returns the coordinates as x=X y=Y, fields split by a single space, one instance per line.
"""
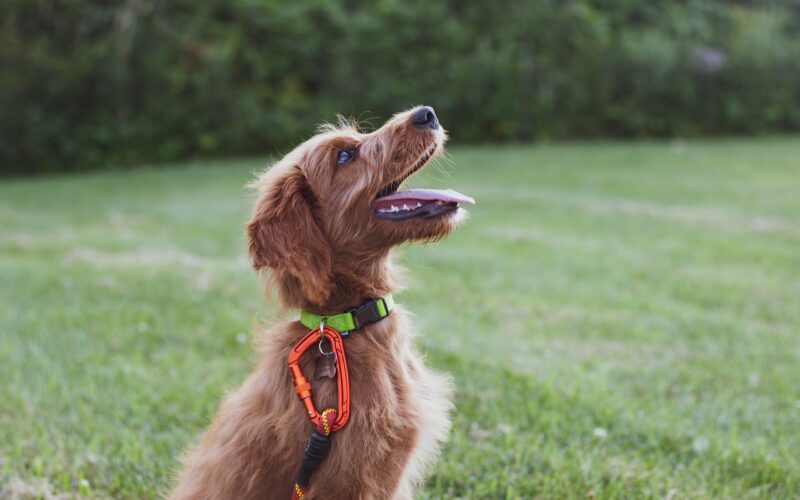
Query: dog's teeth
x=395 y=208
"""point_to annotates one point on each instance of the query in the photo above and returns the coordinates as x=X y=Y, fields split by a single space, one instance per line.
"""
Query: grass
x=622 y=320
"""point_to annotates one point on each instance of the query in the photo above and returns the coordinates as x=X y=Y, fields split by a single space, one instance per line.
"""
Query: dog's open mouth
x=394 y=205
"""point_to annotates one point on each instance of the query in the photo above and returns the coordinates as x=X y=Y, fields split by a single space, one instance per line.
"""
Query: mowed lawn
x=621 y=320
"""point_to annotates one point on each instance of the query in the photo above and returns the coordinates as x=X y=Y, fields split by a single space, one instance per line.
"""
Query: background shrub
x=87 y=83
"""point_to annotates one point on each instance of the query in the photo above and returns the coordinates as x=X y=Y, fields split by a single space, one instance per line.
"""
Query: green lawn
x=622 y=319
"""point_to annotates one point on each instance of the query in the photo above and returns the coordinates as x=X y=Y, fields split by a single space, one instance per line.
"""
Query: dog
x=325 y=221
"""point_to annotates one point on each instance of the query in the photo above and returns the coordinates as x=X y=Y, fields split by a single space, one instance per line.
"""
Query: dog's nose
x=425 y=117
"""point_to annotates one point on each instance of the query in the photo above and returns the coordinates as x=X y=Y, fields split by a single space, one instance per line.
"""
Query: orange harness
x=331 y=419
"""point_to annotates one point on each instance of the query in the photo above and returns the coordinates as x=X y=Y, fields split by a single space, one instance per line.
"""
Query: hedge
x=88 y=84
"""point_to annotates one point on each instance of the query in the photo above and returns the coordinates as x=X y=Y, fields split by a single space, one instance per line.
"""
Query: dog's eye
x=343 y=157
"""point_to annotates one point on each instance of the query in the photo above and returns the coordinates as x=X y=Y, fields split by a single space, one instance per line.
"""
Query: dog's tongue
x=423 y=195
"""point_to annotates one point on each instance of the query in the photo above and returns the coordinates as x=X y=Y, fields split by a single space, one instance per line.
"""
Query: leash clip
x=303 y=387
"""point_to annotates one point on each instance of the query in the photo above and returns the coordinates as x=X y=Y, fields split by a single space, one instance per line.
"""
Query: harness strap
x=370 y=311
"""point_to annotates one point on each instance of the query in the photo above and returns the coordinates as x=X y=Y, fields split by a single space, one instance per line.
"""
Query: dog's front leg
x=252 y=447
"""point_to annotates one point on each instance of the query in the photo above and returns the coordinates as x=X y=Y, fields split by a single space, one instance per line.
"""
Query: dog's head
x=330 y=210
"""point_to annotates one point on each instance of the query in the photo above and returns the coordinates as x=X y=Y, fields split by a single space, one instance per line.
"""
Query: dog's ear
x=284 y=235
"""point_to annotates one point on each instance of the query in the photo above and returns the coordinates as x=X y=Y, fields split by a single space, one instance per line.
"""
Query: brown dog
x=326 y=219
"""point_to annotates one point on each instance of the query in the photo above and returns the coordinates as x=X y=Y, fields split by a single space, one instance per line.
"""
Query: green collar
x=370 y=311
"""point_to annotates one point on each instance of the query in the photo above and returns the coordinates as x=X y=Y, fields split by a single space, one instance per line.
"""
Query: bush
x=86 y=83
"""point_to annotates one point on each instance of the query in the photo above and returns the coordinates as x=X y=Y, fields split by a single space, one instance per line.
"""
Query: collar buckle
x=366 y=313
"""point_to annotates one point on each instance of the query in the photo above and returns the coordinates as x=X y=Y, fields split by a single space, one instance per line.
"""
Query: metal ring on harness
x=321 y=351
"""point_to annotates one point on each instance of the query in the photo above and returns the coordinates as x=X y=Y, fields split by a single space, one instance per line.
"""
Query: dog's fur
x=313 y=228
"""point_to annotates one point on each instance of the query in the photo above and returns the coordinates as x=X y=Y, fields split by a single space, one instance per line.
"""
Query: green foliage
x=639 y=340
x=86 y=83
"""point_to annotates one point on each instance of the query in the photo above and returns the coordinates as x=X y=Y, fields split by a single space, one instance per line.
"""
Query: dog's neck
x=361 y=279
